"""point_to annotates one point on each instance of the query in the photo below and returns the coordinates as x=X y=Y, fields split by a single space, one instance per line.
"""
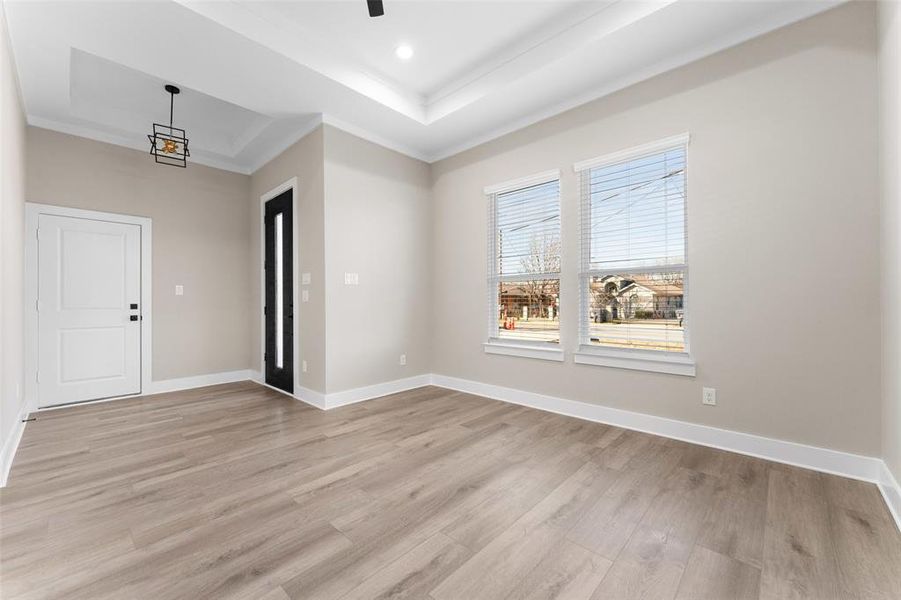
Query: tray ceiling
x=257 y=75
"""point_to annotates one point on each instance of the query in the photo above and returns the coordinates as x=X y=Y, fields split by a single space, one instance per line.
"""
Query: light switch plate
x=351 y=279
x=305 y=295
x=179 y=290
x=305 y=279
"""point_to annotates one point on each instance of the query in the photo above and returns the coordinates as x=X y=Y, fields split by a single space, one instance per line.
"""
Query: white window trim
x=523 y=182
x=634 y=152
x=520 y=348
x=523 y=350
x=658 y=361
x=674 y=363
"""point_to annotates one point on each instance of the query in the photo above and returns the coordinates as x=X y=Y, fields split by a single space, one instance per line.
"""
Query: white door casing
x=88 y=278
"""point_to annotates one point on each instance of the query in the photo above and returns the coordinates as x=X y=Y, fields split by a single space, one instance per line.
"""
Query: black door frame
x=279 y=377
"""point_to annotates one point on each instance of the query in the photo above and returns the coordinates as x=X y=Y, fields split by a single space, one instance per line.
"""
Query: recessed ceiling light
x=404 y=52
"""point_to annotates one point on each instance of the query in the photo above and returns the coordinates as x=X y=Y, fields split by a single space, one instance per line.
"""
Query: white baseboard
x=8 y=453
x=336 y=399
x=311 y=397
x=187 y=383
x=820 y=459
x=167 y=385
x=352 y=396
x=891 y=493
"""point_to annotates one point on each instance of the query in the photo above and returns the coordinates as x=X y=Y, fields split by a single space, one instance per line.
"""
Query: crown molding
x=126 y=142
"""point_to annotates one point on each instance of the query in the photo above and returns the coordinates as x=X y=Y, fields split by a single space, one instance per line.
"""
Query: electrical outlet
x=403 y=359
x=303 y=366
x=305 y=295
x=179 y=290
x=708 y=396
x=305 y=279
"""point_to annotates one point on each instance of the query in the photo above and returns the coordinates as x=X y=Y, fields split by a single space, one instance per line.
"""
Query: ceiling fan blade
x=375 y=8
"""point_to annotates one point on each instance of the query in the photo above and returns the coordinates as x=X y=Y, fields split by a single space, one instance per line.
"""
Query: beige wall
x=377 y=224
x=783 y=204
x=890 y=130
x=783 y=237
x=303 y=160
x=200 y=241
x=361 y=209
x=12 y=226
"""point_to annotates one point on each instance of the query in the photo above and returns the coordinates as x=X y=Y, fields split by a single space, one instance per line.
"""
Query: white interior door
x=89 y=290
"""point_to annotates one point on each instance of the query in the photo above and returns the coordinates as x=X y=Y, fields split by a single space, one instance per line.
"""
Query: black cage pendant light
x=168 y=144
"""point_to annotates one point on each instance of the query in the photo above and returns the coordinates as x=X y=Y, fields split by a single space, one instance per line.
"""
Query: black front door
x=279 y=308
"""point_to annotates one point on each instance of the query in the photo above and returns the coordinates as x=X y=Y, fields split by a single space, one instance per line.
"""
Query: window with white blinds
x=633 y=249
x=524 y=261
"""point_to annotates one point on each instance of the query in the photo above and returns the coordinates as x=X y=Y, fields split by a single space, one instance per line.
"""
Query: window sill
x=524 y=351
x=673 y=364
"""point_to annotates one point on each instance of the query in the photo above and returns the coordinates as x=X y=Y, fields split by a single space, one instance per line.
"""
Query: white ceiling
x=256 y=75
x=121 y=101
x=432 y=28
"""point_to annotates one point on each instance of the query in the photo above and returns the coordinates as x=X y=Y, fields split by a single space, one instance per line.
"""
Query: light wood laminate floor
x=236 y=491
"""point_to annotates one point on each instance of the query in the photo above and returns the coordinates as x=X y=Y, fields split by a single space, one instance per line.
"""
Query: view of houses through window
x=641 y=311
x=529 y=310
